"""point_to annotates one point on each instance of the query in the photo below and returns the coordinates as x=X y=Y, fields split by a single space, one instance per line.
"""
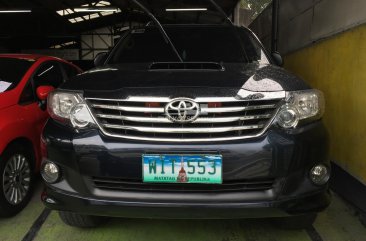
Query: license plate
x=200 y=169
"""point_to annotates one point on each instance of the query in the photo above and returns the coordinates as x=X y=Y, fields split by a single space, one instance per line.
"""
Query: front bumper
x=285 y=157
x=62 y=201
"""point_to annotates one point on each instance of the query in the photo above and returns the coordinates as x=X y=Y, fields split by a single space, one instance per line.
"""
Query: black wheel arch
x=25 y=144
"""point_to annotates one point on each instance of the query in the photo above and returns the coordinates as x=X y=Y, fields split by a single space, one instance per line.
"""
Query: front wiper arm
x=161 y=29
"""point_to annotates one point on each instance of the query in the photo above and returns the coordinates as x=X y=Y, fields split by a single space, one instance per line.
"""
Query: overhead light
x=99 y=9
x=15 y=10
x=185 y=9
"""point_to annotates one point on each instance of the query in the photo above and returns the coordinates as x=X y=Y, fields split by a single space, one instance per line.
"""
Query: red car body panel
x=23 y=122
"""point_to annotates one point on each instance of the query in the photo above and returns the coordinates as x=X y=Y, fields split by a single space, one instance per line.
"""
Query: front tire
x=80 y=221
x=16 y=180
x=296 y=222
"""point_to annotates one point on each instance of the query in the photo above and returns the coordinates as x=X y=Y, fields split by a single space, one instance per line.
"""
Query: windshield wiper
x=162 y=30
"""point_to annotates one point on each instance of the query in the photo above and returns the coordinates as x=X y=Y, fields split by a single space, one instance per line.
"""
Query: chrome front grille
x=220 y=119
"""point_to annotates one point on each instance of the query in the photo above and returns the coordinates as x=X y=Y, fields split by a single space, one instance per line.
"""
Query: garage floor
x=338 y=223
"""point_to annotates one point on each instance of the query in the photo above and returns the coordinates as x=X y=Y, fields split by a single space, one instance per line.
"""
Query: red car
x=25 y=82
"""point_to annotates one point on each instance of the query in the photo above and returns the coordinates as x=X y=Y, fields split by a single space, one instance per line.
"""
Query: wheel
x=81 y=221
x=16 y=180
x=296 y=222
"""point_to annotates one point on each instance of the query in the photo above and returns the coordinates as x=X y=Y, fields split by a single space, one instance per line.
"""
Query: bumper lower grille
x=128 y=185
x=219 y=119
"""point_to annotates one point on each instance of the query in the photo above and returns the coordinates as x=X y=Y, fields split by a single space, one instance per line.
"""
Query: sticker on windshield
x=4 y=86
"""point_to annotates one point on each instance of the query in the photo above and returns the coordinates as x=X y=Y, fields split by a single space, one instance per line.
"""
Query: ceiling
x=44 y=26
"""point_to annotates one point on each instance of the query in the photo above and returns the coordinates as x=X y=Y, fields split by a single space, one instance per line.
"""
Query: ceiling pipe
x=4 y=10
x=95 y=9
x=275 y=25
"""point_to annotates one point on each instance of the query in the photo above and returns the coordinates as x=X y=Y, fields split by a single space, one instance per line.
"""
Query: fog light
x=319 y=175
x=50 y=172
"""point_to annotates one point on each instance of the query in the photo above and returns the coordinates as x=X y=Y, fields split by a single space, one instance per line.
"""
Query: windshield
x=12 y=71
x=194 y=44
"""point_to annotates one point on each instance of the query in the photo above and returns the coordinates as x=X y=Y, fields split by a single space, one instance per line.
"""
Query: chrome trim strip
x=203 y=110
x=135 y=119
x=201 y=120
x=231 y=99
x=237 y=109
x=242 y=95
x=231 y=119
x=136 y=99
x=183 y=130
x=129 y=108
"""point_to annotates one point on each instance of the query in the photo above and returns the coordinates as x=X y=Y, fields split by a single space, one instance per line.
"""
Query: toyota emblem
x=182 y=111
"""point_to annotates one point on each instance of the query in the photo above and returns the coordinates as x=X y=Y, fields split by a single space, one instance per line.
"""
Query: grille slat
x=204 y=110
x=130 y=108
x=198 y=121
x=237 y=109
x=129 y=185
x=182 y=130
x=218 y=121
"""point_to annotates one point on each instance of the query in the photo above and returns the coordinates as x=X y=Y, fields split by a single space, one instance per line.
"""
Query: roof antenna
x=231 y=24
x=158 y=24
x=221 y=11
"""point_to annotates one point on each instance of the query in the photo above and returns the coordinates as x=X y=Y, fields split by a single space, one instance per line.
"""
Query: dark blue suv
x=208 y=128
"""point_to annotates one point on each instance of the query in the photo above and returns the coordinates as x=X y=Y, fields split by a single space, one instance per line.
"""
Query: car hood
x=123 y=80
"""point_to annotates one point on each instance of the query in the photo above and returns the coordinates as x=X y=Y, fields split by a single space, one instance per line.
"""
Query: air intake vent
x=187 y=66
x=137 y=185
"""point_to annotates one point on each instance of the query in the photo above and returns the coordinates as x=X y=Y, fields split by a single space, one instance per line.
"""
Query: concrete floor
x=338 y=223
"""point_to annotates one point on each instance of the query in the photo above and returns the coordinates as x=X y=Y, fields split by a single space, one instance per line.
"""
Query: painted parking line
x=32 y=233
x=314 y=234
x=16 y=228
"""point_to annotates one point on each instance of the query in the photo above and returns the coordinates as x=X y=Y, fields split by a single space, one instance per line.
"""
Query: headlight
x=288 y=117
x=69 y=108
x=301 y=105
x=80 y=116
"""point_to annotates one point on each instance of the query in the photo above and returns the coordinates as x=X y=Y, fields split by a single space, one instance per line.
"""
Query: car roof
x=36 y=57
x=22 y=56
x=33 y=57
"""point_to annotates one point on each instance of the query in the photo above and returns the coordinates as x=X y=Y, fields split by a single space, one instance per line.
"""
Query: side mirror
x=100 y=59
x=277 y=58
x=43 y=92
